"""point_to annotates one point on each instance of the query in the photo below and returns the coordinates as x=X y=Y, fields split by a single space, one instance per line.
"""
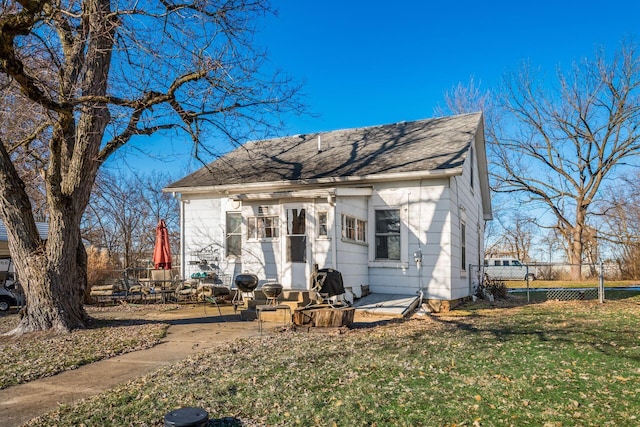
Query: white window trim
x=355 y=229
x=328 y=225
x=264 y=239
x=226 y=235
x=403 y=262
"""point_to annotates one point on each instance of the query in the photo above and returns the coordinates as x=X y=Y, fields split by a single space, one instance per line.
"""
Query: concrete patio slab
x=387 y=304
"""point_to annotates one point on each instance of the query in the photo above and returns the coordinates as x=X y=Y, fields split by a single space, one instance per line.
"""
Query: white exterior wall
x=204 y=225
x=262 y=257
x=203 y=228
x=431 y=211
x=352 y=256
x=322 y=246
x=467 y=207
x=424 y=213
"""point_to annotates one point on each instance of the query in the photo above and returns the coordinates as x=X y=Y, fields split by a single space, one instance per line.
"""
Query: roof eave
x=258 y=186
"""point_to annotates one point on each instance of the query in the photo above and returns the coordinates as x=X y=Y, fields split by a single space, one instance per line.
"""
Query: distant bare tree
x=465 y=98
x=123 y=213
x=519 y=232
x=555 y=146
x=513 y=238
x=621 y=225
x=102 y=73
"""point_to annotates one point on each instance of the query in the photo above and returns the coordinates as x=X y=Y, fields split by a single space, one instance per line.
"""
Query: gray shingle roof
x=43 y=230
x=423 y=145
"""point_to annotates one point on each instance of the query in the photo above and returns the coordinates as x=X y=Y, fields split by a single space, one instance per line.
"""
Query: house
x=399 y=208
x=43 y=230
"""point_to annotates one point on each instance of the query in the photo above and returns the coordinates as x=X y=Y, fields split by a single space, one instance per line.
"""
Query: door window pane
x=296 y=235
x=297 y=248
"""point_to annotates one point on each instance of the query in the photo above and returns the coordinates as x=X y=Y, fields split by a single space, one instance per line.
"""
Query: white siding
x=469 y=206
x=322 y=246
x=204 y=228
x=425 y=225
x=430 y=213
x=352 y=256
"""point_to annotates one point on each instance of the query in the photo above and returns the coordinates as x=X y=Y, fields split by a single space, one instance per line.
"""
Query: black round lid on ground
x=186 y=417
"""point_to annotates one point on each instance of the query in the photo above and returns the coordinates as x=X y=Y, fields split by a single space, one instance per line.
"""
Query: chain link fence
x=550 y=281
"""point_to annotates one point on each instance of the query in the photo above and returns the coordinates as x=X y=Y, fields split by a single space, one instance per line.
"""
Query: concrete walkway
x=387 y=304
x=191 y=330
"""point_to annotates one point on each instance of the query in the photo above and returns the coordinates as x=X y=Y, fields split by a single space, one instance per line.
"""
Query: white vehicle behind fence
x=508 y=269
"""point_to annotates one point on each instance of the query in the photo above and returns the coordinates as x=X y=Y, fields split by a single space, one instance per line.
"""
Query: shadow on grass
x=556 y=324
x=225 y=422
x=374 y=324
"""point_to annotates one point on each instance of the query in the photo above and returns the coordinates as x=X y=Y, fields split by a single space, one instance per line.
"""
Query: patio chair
x=161 y=278
x=136 y=291
x=187 y=290
x=108 y=290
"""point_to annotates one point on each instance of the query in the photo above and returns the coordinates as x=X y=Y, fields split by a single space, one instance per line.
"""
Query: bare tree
x=519 y=234
x=513 y=238
x=118 y=218
x=101 y=73
x=465 y=98
x=620 y=228
x=556 y=146
x=23 y=124
x=123 y=213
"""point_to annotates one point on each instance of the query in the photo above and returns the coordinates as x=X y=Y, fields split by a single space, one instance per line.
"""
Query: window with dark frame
x=387 y=234
x=323 y=229
x=234 y=234
x=463 y=245
x=472 y=166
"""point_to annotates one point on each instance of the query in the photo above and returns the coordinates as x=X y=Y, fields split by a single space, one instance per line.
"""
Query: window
x=472 y=166
x=463 y=245
x=353 y=229
x=361 y=231
x=388 y=234
x=348 y=227
x=234 y=234
x=323 y=229
x=296 y=235
x=263 y=227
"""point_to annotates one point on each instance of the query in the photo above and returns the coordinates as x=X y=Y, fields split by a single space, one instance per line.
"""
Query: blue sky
x=373 y=62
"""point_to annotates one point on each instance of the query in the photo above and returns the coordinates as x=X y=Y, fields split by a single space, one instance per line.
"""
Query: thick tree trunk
x=53 y=282
x=576 y=246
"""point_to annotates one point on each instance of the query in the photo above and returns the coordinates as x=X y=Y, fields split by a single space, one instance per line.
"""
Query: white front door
x=296 y=249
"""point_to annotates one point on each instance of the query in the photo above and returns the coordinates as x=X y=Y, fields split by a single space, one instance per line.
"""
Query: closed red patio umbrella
x=162 y=250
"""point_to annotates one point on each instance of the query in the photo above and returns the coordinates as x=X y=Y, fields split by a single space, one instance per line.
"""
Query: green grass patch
x=548 y=364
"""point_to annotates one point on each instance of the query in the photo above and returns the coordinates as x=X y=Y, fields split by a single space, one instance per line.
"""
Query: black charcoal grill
x=272 y=291
x=246 y=284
